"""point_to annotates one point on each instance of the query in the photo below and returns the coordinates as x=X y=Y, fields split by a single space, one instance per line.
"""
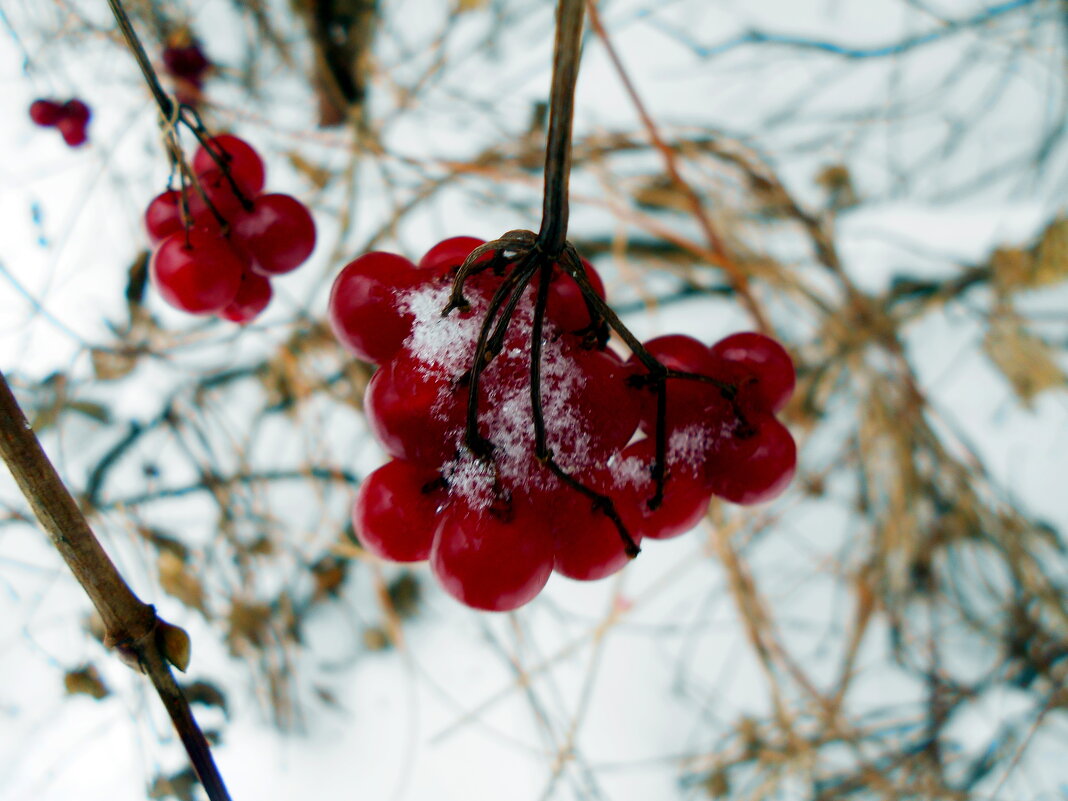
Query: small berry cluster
x=492 y=517
x=217 y=244
x=186 y=63
x=71 y=118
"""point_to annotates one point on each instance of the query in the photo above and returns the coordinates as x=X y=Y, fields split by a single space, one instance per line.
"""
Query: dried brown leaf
x=178 y=580
x=85 y=681
x=1012 y=268
x=182 y=786
x=109 y=365
x=329 y=574
x=1051 y=255
x=837 y=181
x=660 y=192
x=205 y=693
x=249 y=625
x=1025 y=360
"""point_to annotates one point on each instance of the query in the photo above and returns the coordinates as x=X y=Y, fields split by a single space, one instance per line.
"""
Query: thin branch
x=554 y=213
x=735 y=275
x=131 y=626
x=163 y=100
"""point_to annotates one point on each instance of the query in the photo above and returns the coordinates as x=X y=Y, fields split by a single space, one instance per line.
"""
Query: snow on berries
x=466 y=486
x=218 y=244
x=71 y=118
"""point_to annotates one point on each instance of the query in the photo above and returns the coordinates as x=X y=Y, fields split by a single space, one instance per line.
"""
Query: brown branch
x=131 y=626
x=159 y=94
x=554 y=215
x=737 y=277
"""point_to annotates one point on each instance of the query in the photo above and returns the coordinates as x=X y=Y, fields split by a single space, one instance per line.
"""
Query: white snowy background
x=623 y=689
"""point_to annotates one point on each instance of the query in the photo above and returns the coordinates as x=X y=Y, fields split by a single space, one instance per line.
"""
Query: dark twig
x=131 y=626
x=541 y=446
x=554 y=215
x=165 y=102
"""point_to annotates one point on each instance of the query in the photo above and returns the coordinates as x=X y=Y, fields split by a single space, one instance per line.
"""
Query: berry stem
x=131 y=626
x=510 y=289
x=554 y=214
x=166 y=104
x=541 y=445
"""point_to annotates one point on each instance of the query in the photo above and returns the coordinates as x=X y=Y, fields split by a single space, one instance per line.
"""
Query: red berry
x=491 y=562
x=186 y=60
x=364 y=311
x=756 y=466
x=608 y=408
x=760 y=365
x=675 y=352
x=202 y=276
x=686 y=494
x=244 y=162
x=588 y=546
x=252 y=298
x=279 y=234
x=73 y=131
x=681 y=352
x=566 y=305
x=220 y=193
x=448 y=254
x=415 y=410
x=396 y=511
x=76 y=110
x=163 y=216
x=46 y=113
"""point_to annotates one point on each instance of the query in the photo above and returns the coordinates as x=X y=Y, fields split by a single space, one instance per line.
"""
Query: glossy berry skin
x=46 y=113
x=681 y=352
x=448 y=254
x=202 y=277
x=253 y=296
x=675 y=352
x=489 y=562
x=415 y=412
x=755 y=468
x=279 y=234
x=163 y=216
x=761 y=366
x=395 y=512
x=219 y=192
x=685 y=500
x=610 y=408
x=363 y=305
x=566 y=305
x=587 y=544
x=244 y=162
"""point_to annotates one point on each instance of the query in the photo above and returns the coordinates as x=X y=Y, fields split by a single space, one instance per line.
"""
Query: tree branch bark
x=131 y=626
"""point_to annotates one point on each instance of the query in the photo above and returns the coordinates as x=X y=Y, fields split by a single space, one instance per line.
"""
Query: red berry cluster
x=217 y=245
x=495 y=526
x=70 y=118
x=187 y=64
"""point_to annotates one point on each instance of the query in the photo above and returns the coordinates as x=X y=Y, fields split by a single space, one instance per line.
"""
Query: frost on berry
x=565 y=464
x=445 y=346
